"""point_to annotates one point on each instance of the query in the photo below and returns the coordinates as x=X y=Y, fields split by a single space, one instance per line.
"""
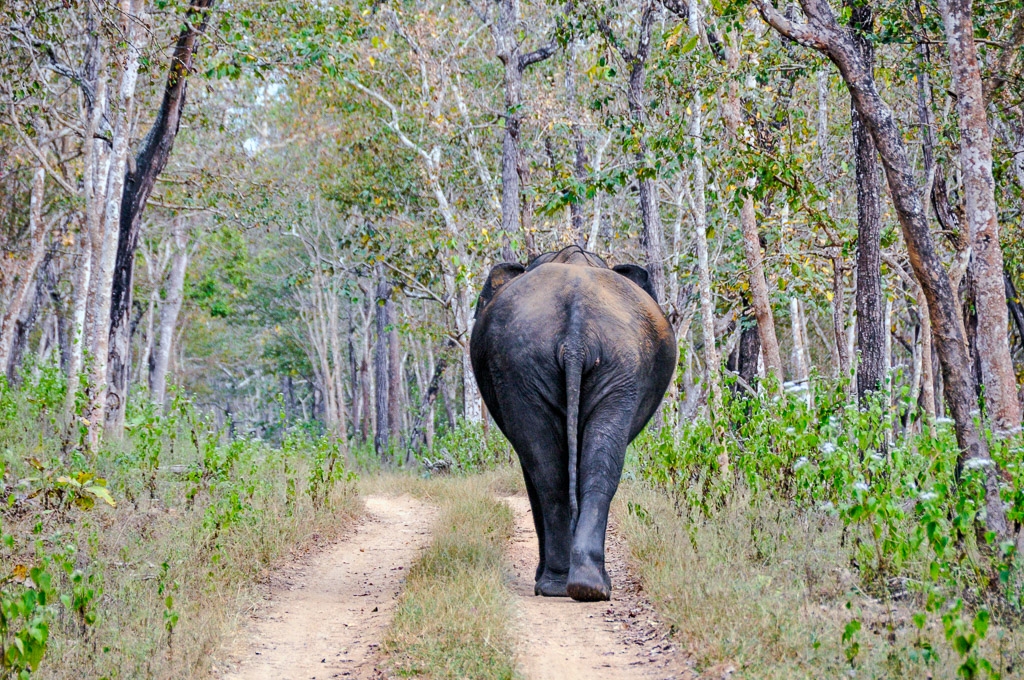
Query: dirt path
x=326 y=618
x=565 y=640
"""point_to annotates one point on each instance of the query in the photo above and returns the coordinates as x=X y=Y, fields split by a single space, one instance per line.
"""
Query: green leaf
x=101 y=493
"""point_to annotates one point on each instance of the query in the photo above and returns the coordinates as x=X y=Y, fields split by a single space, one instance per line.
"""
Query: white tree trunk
x=169 y=311
x=471 y=395
x=26 y=270
x=106 y=235
x=712 y=364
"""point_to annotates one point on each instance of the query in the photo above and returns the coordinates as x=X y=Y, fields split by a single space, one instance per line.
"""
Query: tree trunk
x=422 y=429
x=138 y=182
x=759 y=295
x=80 y=297
x=870 y=335
x=505 y=31
x=169 y=310
x=353 y=364
x=1014 y=304
x=839 y=318
x=982 y=219
x=105 y=234
x=595 y=225
x=650 y=215
x=365 y=387
x=60 y=313
x=927 y=370
x=24 y=326
x=799 y=351
x=394 y=375
x=472 y=405
x=25 y=271
x=380 y=368
x=712 y=362
x=744 y=358
x=579 y=166
x=448 y=391
x=428 y=413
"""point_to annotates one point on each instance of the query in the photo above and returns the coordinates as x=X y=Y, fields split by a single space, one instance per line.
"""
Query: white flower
x=927 y=496
x=977 y=463
x=861 y=486
x=943 y=421
x=828 y=447
x=800 y=463
x=790 y=430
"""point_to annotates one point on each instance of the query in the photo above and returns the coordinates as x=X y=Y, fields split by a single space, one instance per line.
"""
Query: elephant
x=572 y=359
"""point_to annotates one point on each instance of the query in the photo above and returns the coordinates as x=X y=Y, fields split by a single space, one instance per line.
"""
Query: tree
x=982 y=219
x=24 y=271
x=140 y=178
x=823 y=33
x=650 y=212
x=870 y=332
x=508 y=34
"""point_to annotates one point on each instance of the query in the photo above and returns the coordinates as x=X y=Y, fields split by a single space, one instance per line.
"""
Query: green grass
x=455 y=618
x=149 y=588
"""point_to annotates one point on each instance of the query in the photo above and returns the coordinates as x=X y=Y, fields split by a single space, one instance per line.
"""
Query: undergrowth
x=133 y=562
x=835 y=543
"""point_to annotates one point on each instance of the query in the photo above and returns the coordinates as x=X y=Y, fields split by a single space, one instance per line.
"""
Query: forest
x=242 y=246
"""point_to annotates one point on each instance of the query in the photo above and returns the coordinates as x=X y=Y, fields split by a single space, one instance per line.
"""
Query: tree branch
x=798 y=32
x=539 y=54
x=393 y=124
x=417 y=285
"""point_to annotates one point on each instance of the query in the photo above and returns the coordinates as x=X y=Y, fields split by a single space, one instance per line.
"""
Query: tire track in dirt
x=326 y=618
x=561 y=639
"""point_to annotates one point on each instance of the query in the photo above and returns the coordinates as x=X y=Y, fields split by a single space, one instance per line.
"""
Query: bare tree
x=509 y=34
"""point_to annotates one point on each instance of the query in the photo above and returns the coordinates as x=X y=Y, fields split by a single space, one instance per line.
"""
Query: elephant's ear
x=499 y=276
x=637 y=275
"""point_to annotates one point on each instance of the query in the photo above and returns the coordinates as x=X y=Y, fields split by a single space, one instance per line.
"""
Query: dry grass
x=767 y=591
x=455 y=618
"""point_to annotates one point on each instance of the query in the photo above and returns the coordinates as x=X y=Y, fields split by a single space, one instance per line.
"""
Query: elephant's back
x=536 y=311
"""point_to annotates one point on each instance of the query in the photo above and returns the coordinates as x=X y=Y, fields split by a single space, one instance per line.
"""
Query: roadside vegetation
x=835 y=544
x=133 y=561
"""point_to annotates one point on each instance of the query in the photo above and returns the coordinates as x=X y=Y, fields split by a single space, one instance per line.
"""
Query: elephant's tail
x=573 y=358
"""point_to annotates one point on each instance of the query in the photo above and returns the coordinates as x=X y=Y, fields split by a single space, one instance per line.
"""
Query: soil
x=562 y=639
x=325 y=618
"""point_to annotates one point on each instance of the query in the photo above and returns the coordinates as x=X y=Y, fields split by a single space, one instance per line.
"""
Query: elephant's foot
x=550 y=585
x=589 y=583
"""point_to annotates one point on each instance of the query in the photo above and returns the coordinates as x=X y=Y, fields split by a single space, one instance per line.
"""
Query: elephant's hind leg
x=544 y=463
x=604 y=451
x=537 y=510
